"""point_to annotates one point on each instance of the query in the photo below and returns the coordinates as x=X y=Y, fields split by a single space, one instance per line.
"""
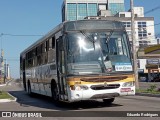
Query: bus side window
x=53 y=43
x=45 y=55
x=50 y=44
x=35 y=58
x=43 y=47
x=46 y=45
x=26 y=60
x=39 y=55
x=61 y=54
x=36 y=51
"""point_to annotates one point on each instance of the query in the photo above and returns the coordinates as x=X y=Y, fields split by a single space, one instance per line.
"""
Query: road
x=42 y=103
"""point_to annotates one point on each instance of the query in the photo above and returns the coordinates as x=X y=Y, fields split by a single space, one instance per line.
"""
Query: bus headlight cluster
x=128 y=84
x=79 y=87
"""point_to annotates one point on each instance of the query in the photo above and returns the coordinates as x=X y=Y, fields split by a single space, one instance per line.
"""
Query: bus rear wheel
x=29 y=89
x=108 y=101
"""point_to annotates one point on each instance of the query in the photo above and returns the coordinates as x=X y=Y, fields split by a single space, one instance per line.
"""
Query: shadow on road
x=46 y=102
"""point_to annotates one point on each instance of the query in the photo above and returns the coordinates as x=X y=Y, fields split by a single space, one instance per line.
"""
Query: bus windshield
x=97 y=52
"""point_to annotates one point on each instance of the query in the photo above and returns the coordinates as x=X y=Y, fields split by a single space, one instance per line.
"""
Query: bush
x=152 y=88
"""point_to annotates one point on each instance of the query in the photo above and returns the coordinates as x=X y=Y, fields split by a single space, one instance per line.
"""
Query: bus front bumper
x=77 y=95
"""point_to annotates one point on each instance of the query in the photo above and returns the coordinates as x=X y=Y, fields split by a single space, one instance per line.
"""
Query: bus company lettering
x=27 y=114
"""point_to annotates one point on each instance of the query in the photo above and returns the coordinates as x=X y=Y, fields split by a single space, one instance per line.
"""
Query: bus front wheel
x=55 y=95
x=108 y=101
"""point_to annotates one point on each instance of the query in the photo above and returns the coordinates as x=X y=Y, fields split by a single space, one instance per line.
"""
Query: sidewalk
x=2 y=86
x=8 y=100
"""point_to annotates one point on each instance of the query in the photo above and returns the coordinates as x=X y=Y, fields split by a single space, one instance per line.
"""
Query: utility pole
x=134 y=51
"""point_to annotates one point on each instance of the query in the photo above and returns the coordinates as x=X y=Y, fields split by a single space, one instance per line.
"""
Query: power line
x=152 y=10
x=13 y=60
x=7 y=34
x=158 y=34
x=156 y=24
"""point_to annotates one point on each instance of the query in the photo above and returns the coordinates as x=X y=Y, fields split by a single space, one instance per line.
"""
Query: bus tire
x=108 y=101
x=29 y=89
x=54 y=90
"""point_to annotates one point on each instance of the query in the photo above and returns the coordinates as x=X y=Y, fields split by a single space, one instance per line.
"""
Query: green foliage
x=152 y=88
x=5 y=95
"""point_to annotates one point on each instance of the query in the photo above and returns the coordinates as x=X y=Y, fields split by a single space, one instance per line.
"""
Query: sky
x=38 y=17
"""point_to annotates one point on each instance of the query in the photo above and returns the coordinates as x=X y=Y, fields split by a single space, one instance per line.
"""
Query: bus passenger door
x=61 y=69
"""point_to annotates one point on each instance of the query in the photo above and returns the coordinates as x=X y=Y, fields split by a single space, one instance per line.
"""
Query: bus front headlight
x=128 y=84
x=79 y=87
x=84 y=87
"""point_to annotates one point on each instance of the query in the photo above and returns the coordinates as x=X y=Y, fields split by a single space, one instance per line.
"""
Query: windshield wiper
x=88 y=38
x=109 y=36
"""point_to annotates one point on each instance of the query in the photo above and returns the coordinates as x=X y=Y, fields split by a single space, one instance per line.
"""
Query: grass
x=5 y=95
x=152 y=90
x=146 y=91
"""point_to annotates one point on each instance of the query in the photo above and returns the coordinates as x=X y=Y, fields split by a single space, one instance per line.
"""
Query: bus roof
x=86 y=24
x=92 y=25
x=49 y=34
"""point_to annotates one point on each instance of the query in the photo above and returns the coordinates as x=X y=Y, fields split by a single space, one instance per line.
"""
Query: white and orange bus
x=80 y=60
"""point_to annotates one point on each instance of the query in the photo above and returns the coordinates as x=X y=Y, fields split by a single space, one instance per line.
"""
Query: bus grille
x=105 y=86
x=107 y=79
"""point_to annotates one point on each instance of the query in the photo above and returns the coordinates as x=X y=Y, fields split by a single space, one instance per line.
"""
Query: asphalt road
x=43 y=103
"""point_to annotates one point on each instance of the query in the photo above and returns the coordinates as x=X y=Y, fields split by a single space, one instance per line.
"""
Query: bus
x=80 y=60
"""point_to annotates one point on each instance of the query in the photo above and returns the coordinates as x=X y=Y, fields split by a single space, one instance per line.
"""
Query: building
x=116 y=6
x=144 y=31
x=79 y=9
x=144 y=26
x=149 y=63
x=4 y=69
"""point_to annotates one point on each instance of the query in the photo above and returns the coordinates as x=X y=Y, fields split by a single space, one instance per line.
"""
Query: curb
x=5 y=100
x=2 y=84
x=15 y=99
x=148 y=94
